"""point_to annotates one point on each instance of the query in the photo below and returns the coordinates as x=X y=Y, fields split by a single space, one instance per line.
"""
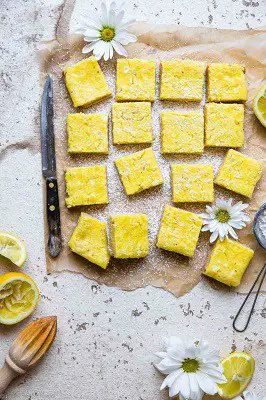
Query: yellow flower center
x=190 y=365
x=222 y=216
x=107 y=33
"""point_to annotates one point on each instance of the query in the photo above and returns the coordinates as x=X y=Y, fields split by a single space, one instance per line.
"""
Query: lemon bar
x=132 y=123
x=224 y=125
x=87 y=133
x=135 y=80
x=179 y=231
x=129 y=235
x=228 y=262
x=86 y=83
x=182 y=132
x=226 y=82
x=192 y=183
x=89 y=240
x=86 y=186
x=182 y=80
x=239 y=173
x=139 y=171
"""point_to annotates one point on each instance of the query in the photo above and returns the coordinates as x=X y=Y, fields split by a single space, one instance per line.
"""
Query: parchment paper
x=167 y=270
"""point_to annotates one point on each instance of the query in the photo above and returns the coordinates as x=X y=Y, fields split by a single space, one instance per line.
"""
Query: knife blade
x=49 y=169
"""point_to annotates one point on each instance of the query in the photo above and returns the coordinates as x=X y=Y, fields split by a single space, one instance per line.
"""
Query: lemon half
x=12 y=248
x=238 y=369
x=19 y=297
x=259 y=104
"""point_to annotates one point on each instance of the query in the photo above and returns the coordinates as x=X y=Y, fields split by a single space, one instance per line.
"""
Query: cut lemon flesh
x=238 y=369
x=19 y=297
x=259 y=104
x=12 y=248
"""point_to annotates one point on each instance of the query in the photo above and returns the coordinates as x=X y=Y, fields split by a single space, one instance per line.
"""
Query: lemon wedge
x=19 y=297
x=12 y=248
x=238 y=369
x=259 y=104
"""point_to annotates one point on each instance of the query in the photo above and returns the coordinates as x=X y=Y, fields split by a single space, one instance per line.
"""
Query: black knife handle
x=53 y=217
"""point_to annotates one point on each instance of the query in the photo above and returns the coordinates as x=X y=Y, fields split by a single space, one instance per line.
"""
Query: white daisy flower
x=223 y=218
x=247 y=395
x=106 y=33
x=191 y=369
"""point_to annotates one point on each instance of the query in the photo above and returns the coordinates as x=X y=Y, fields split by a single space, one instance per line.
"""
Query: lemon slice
x=12 y=248
x=259 y=104
x=19 y=296
x=238 y=369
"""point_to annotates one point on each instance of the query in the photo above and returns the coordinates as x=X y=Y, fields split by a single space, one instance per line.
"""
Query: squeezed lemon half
x=19 y=297
x=259 y=104
x=238 y=369
x=12 y=248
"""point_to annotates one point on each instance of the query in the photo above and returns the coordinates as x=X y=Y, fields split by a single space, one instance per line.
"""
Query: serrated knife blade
x=47 y=128
x=49 y=169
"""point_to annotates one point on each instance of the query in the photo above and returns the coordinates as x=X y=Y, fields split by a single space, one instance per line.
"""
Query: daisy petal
x=124 y=37
x=170 y=379
x=213 y=237
x=88 y=48
x=184 y=385
x=99 y=49
x=125 y=24
x=206 y=383
x=119 y=48
x=94 y=33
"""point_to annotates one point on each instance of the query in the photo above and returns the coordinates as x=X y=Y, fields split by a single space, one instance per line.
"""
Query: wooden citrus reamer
x=27 y=349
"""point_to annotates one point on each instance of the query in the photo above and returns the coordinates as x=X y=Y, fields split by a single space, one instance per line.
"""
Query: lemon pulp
x=18 y=297
x=259 y=104
x=12 y=248
x=238 y=369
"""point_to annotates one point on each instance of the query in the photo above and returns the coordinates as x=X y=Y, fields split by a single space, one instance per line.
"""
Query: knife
x=49 y=169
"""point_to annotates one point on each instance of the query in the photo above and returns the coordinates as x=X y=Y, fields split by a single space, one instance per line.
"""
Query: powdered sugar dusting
x=174 y=272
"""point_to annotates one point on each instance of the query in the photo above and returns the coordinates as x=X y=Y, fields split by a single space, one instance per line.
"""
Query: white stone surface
x=106 y=337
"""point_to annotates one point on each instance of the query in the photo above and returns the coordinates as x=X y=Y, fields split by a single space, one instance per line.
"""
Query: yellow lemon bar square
x=86 y=83
x=89 y=240
x=239 y=173
x=179 y=231
x=87 y=133
x=228 y=262
x=139 y=171
x=132 y=123
x=129 y=235
x=182 y=80
x=182 y=132
x=135 y=80
x=226 y=82
x=86 y=186
x=224 y=125
x=192 y=183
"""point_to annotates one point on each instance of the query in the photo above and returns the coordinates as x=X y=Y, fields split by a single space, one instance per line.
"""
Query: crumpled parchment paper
x=167 y=270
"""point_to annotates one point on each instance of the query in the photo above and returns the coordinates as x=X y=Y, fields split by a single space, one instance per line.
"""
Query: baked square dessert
x=135 y=80
x=224 y=125
x=182 y=80
x=86 y=83
x=89 y=240
x=192 y=183
x=239 y=173
x=132 y=123
x=228 y=262
x=182 y=132
x=179 y=231
x=129 y=235
x=86 y=186
x=87 y=133
x=139 y=171
x=226 y=82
